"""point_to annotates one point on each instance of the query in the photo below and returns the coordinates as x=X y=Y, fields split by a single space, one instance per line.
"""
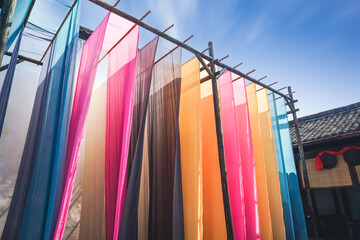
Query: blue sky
x=313 y=46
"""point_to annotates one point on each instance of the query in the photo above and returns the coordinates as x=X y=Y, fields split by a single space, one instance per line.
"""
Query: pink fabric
x=119 y=107
x=232 y=156
x=87 y=71
x=247 y=160
x=111 y=30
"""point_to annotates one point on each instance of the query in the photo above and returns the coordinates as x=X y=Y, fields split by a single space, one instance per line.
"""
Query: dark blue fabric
x=46 y=186
x=47 y=158
x=17 y=205
x=6 y=87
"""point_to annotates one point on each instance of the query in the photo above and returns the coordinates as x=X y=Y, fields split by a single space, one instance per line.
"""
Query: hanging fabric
x=284 y=188
x=93 y=194
x=45 y=155
x=21 y=10
x=213 y=206
x=289 y=163
x=119 y=106
x=92 y=218
x=6 y=87
x=247 y=160
x=191 y=155
x=83 y=91
x=261 y=179
x=17 y=205
x=165 y=203
x=146 y=56
x=143 y=209
x=232 y=156
x=276 y=210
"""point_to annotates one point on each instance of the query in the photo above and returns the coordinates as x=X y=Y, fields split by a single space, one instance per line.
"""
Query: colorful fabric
x=92 y=216
x=119 y=106
x=144 y=68
x=21 y=10
x=284 y=187
x=45 y=155
x=18 y=201
x=6 y=87
x=83 y=91
x=213 y=206
x=191 y=155
x=290 y=168
x=232 y=156
x=272 y=175
x=247 y=160
x=261 y=179
x=165 y=203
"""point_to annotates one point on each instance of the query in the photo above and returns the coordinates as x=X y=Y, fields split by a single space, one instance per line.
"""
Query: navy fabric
x=6 y=87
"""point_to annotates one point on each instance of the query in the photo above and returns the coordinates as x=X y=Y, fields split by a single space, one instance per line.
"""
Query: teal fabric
x=284 y=188
x=46 y=185
x=289 y=163
x=21 y=9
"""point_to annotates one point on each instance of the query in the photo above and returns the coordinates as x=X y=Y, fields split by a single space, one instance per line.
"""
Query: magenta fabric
x=111 y=30
x=232 y=156
x=87 y=71
x=247 y=160
x=119 y=107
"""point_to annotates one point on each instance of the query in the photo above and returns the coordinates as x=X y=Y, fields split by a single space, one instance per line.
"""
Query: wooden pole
x=221 y=151
x=6 y=16
x=303 y=168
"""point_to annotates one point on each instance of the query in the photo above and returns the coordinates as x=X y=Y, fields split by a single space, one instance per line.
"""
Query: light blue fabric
x=21 y=9
x=289 y=162
x=46 y=186
x=6 y=87
x=284 y=188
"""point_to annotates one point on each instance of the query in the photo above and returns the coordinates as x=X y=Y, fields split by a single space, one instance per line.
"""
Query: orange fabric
x=261 y=179
x=214 y=217
x=276 y=210
x=190 y=139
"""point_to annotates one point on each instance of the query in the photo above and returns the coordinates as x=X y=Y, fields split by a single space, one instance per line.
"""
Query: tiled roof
x=329 y=124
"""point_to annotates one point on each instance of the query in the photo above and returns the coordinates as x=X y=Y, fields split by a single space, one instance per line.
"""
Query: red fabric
x=318 y=162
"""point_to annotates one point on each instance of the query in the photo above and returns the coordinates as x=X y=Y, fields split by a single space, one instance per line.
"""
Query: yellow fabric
x=92 y=208
x=190 y=138
x=143 y=210
x=214 y=217
x=272 y=175
x=261 y=179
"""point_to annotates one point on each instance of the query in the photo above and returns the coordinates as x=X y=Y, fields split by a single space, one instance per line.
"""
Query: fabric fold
x=247 y=160
x=163 y=142
x=9 y=76
x=272 y=176
x=146 y=56
x=191 y=154
x=261 y=178
x=119 y=106
x=213 y=206
x=291 y=174
x=232 y=156
x=284 y=187
x=45 y=155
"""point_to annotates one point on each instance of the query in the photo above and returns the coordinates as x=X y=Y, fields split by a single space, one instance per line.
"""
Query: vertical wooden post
x=220 y=142
x=304 y=170
x=6 y=16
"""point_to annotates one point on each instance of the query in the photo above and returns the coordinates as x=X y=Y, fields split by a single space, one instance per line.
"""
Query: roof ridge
x=330 y=112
